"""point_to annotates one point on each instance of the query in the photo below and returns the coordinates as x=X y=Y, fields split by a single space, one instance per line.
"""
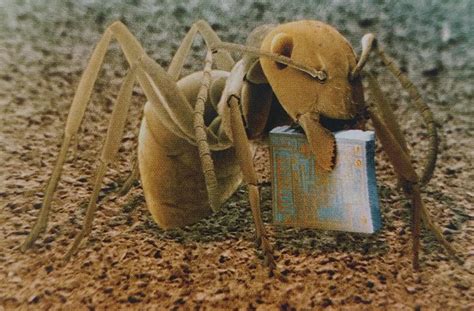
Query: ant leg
x=132 y=177
x=111 y=146
x=386 y=111
x=201 y=137
x=73 y=122
x=369 y=43
x=234 y=127
x=424 y=110
x=244 y=156
x=158 y=86
x=402 y=164
x=223 y=59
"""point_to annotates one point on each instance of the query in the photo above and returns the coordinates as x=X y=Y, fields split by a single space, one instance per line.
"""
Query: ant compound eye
x=282 y=44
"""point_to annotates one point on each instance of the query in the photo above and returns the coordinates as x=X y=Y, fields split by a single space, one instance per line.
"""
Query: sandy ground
x=128 y=262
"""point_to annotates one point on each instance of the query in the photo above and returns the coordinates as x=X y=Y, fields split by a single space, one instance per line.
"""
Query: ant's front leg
x=397 y=152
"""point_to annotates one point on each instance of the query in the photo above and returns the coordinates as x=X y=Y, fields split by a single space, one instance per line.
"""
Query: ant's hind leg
x=73 y=122
x=153 y=80
x=111 y=146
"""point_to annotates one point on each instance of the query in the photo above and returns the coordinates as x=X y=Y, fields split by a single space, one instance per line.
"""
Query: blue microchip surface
x=344 y=199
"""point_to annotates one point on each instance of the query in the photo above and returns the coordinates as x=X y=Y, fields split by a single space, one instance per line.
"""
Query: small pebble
x=133 y=299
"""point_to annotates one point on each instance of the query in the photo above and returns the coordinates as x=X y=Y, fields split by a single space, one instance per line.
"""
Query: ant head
x=320 y=47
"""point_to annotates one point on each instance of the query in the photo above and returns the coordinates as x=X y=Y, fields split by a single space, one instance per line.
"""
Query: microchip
x=345 y=199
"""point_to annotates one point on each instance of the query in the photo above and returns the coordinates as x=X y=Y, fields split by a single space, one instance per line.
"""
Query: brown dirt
x=128 y=262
